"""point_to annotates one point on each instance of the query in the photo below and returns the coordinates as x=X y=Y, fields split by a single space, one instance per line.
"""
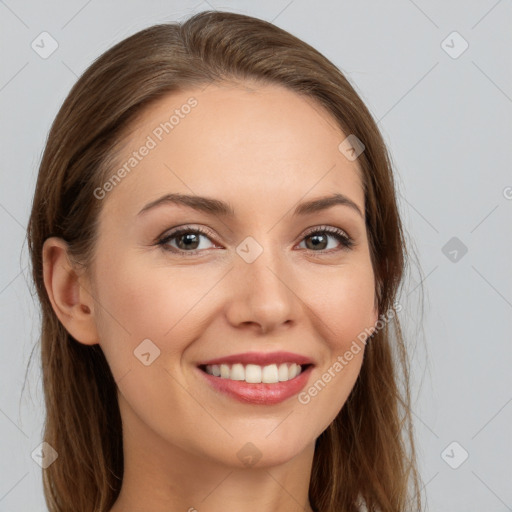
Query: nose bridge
x=263 y=261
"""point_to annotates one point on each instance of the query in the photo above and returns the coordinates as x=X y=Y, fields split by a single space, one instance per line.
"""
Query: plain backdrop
x=437 y=77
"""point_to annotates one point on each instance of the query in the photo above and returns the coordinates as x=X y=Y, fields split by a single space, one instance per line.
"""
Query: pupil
x=316 y=237
x=189 y=238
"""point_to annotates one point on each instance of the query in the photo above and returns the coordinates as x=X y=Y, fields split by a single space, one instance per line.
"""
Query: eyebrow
x=220 y=208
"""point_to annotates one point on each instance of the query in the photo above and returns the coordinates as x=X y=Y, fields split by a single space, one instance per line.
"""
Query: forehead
x=235 y=142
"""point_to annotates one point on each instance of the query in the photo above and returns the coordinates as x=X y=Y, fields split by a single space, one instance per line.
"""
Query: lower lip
x=262 y=393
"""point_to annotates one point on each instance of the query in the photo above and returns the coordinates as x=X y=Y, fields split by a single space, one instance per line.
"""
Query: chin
x=260 y=453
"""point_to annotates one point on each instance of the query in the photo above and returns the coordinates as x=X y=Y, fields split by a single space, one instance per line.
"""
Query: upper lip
x=260 y=358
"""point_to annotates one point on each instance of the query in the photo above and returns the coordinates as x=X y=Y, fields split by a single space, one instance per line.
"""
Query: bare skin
x=263 y=150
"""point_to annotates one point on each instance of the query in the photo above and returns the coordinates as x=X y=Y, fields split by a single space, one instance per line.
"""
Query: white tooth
x=224 y=371
x=253 y=373
x=269 y=374
x=283 y=372
x=237 y=372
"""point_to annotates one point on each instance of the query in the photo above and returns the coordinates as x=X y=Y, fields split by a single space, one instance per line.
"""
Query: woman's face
x=260 y=282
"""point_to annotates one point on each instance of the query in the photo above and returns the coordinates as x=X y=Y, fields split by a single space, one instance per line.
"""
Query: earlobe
x=71 y=301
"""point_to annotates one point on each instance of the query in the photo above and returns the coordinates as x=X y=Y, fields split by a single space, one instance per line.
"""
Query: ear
x=68 y=292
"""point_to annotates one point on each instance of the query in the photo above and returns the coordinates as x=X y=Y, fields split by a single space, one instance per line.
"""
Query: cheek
x=140 y=304
x=342 y=306
x=137 y=302
x=342 y=302
x=350 y=314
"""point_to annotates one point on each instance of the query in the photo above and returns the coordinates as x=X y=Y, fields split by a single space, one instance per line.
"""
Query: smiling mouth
x=255 y=374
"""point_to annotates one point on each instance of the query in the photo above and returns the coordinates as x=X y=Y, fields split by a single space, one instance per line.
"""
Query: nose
x=261 y=293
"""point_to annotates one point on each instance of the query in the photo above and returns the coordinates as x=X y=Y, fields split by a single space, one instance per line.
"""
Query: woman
x=217 y=249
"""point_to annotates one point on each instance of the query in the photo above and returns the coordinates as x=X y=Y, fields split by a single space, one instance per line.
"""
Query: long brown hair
x=367 y=455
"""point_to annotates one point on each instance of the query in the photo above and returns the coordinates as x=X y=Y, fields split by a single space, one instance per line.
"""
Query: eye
x=319 y=239
x=188 y=240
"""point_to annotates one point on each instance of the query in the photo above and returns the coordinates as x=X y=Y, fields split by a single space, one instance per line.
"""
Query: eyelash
x=346 y=242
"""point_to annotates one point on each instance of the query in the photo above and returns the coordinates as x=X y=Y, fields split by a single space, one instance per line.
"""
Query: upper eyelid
x=326 y=227
x=169 y=233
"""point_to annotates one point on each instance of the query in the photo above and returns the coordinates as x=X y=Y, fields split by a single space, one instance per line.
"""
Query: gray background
x=447 y=121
